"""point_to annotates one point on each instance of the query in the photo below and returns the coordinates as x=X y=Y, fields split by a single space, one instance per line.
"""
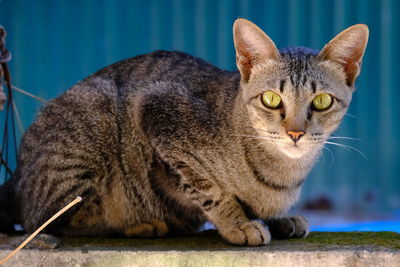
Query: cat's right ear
x=252 y=46
x=347 y=50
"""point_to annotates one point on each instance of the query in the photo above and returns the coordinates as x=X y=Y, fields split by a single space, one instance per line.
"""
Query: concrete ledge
x=209 y=250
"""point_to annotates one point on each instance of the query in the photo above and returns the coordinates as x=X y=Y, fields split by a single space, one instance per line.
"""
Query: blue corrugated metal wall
x=55 y=43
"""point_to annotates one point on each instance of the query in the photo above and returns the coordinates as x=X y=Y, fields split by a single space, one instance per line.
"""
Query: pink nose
x=295 y=135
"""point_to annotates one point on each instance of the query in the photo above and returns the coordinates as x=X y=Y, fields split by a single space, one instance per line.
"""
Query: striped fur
x=162 y=142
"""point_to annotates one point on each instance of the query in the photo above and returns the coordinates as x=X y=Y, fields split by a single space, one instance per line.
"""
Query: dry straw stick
x=55 y=216
x=29 y=94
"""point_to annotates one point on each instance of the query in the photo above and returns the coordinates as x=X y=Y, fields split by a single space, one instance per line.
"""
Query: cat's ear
x=347 y=49
x=252 y=46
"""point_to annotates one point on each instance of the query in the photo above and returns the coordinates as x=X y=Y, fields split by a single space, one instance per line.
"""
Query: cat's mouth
x=293 y=151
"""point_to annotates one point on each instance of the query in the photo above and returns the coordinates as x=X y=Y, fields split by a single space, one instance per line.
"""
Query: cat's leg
x=46 y=189
x=288 y=227
x=35 y=212
x=224 y=211
x=178 y=140
x=220 y=207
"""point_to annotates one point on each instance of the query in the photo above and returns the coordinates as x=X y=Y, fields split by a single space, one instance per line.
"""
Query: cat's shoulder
x=172 y=56
x=159 y=62
x=159 y=69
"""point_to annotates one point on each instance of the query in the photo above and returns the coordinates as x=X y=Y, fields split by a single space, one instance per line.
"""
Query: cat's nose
x=295 y=135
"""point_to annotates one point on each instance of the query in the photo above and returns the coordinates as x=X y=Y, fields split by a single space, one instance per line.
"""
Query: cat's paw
x=289 y=227
x=302 y=228
x=249 y=233
x=156 y=228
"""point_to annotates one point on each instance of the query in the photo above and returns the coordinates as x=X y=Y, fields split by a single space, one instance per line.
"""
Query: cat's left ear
x=252 y=46
x=347 y=49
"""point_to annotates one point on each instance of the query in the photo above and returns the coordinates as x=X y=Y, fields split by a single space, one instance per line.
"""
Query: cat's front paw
x=289 y=227
x=249 y=233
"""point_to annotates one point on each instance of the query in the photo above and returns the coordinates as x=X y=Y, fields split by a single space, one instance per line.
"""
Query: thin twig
x=55 y=216
x=29 y=94
x=21 y=127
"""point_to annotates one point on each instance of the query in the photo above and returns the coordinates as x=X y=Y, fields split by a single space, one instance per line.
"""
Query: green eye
x=271 y=99
x=322 y=101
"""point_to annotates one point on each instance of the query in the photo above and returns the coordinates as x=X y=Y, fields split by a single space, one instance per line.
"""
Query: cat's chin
x=292 y=151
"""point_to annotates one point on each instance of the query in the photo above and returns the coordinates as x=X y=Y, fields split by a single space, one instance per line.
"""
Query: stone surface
x=207 y=249
x=41 y=241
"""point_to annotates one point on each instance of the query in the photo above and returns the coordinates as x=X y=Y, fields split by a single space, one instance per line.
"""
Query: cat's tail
x=8 y=206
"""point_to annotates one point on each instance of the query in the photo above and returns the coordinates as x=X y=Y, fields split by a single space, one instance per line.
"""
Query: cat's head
x=295 y=98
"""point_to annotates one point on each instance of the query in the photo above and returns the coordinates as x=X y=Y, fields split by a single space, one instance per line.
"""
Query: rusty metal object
x=3 y=96
x=7 y=102
x=5 y=57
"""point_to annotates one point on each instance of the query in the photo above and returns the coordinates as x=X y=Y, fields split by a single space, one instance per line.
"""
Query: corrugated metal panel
x=57 y=43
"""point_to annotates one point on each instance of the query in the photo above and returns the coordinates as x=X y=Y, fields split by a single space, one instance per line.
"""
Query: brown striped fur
x=165 y=141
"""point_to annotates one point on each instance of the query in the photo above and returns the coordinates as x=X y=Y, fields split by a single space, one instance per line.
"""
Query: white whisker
x=266 y=142
x=253 y=126
x=337 y=144
x=348 y=148
x=251 y=136
x=344 y=137
x=263 y=137
x=330 y=152
x=351 y=116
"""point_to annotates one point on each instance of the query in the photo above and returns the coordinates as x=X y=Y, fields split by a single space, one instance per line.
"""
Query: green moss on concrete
x=384 y=239
x=207 y=240
x=210 y=240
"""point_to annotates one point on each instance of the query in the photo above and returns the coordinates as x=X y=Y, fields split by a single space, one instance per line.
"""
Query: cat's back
x=141 y=72
x=96 y=104
x=170 y=85
x=160 y=65
x=92 y=113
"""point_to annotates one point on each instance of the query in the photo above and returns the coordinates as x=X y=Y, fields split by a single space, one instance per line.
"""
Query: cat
x=160 y=143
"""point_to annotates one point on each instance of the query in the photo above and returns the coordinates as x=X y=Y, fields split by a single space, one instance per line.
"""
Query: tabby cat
x=160 y=143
